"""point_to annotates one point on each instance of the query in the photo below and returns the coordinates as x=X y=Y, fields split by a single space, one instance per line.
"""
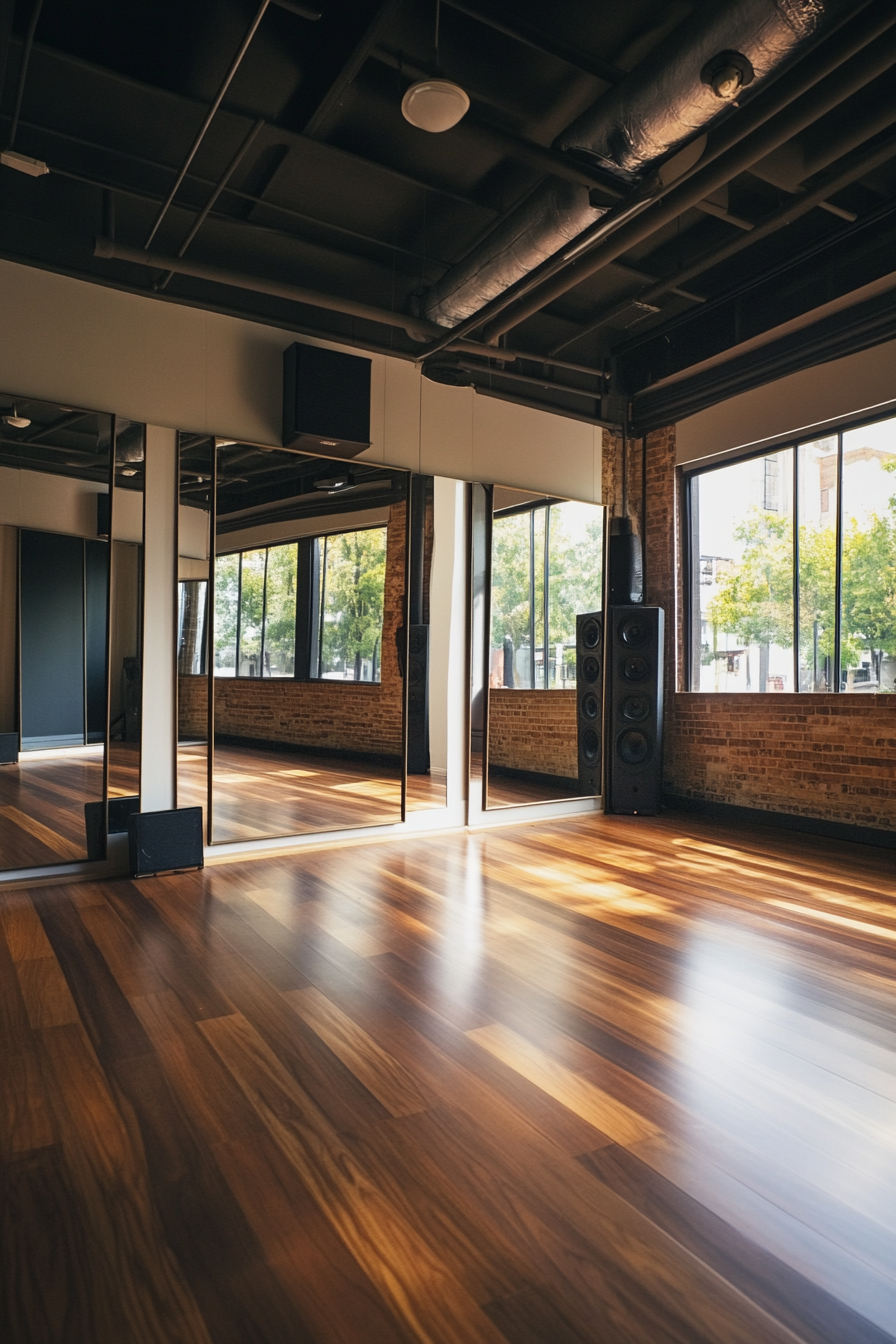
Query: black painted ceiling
x=336 y=192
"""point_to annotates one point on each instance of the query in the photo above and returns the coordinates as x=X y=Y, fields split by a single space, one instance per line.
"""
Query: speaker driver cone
x=635 y=668
x=635 y=632
x=591 y=668
x=590 y=745
x=589 y=706
x=591 y=634
x=636 y=708
x=633 y=747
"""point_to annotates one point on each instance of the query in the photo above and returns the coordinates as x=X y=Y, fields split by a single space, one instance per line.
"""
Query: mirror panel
x=430 y=561
x=126 y=623
x=194 y=526
x=545 y=566
x=54 y=595
x=308 y=643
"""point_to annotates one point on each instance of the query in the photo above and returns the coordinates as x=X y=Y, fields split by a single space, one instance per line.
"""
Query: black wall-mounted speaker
x=589 y=698
x=634 y=755
x=9 y=748
x=326 y=401
x=625 y=571
x=418 y=699
x=161 y=841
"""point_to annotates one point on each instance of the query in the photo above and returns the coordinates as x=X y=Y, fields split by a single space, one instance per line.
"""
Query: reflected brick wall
x=533 y=730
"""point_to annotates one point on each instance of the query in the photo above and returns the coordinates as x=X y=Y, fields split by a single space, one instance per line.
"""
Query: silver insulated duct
x=670 y=98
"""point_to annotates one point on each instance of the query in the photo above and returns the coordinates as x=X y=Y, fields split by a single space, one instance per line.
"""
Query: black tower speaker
x=161 y=841
x=589 y=698
x=625 y=573
x=418 y=700
x=326 y=401
x=634 y=755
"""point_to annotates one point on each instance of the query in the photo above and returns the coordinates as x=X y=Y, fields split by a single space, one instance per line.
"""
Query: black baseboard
x=535 y=777
x=301 y=748
x=786 y=821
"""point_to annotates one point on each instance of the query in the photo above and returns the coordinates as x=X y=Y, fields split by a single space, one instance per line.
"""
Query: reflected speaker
x=589 y=698
x=9 y=748
x=326 y=401
x=418 y=699
x=634 y=757
x=120 y=811
x=161 y=841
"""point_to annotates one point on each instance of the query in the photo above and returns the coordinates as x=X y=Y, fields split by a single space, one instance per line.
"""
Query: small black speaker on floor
x=625 y=571
x=9 y=748
x=120 y=812
x=161 y=841
x=635 y=638
x=589 y=698
x=418 y=700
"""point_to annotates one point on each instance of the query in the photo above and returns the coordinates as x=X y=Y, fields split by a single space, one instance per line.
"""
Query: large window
x=793 y=568
x=324 y=592
x=547 y=563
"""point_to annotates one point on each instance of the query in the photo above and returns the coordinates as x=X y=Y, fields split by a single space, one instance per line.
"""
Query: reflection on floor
x=508 y=791
x=261 y=793
x=605 y=1079
x=42 y=805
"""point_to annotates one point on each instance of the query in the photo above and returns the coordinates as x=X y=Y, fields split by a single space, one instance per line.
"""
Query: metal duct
x=667 y=100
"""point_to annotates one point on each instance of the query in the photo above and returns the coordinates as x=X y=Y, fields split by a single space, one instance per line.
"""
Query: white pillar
x=158 y=738
x=448 y=641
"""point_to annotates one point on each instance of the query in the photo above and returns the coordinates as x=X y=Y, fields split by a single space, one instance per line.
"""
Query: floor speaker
x=589 y=698
x=635 y=638
x=9 y=748
x=161 y=841
x=418 y=700
x=118 y=811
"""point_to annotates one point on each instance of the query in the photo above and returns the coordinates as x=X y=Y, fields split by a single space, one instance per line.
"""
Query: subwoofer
x=634 y=755
x=161 y=841
x=589 y=698
x=418 y=700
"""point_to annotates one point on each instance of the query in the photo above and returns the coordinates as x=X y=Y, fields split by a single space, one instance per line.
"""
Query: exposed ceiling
x=310 y=203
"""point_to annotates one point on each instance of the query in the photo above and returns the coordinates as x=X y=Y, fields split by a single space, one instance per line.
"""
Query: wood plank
x=24 y=932
x=58 y=845
x=46 y=993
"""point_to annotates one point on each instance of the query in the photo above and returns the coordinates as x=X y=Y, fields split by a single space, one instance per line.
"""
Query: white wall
x=800 y=405
x=149 y=359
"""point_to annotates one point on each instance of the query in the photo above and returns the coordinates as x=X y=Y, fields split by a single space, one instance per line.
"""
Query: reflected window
x=796 y=551
x=547 y=563
x=255 y=612
x=352 y=573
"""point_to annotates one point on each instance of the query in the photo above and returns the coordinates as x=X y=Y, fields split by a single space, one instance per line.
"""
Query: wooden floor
x=602 y=1081
x=42 y=806
x=258 y=794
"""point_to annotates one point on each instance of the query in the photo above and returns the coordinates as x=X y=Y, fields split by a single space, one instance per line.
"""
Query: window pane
x=743 y=581
x=576 y=548
x=251 y=612
x=227 y=587
x=817 y=475
x=280 y=612
x=868 y=611
x=352 y=582
x=511 y=652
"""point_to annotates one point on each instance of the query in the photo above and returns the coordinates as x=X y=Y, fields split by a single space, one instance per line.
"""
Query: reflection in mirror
x=430 y=565
x=54 y=581
x=197 y=452
x=307 y=632
x=126 y=623
x=546 y=567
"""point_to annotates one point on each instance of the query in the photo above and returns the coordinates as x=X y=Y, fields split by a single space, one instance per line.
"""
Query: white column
x=158 y=738
x=448 y=641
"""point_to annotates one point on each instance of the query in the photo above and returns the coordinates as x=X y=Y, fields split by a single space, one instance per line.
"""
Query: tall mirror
x=307 y=643
x=194 y=530
x=543 y=567
x=126 y=623
x=54 y=599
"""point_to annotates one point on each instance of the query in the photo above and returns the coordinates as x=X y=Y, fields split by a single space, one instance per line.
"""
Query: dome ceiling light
x=16 y=421
x=435 y=104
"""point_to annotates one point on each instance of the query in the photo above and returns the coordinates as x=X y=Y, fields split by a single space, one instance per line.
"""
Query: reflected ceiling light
x=434 y=104
x=333 y=484
x=225 y=443
x=128 y=471
x=22 y=163
x=16 y=421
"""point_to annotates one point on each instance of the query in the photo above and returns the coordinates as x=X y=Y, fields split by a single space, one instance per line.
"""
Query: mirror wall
x=55 y=632
x=126 y=623
x=299 y=640
x=541 y=565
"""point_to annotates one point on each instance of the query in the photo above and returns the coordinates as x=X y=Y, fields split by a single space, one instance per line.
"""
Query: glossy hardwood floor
x=259 y=793
x=42 y=806
x=605 y=1081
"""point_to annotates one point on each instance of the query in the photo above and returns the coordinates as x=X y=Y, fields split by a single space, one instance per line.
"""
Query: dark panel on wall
x=96 y=586
x=52 y=638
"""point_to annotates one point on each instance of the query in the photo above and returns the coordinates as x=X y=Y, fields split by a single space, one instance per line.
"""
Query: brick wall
x=533 y=730
x=343 y=715
x=830 y=757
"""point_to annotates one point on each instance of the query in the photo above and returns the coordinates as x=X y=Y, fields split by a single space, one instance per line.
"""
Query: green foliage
x=353 y=597
x=227 y=589
x=280 y=613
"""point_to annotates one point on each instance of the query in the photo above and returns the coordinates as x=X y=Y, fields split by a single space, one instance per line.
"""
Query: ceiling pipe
x=676 y=93
x=571 y=269
x=831 y=183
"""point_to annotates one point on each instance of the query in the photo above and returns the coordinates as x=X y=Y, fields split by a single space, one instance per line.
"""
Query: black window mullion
x=323 y=605
x=264 y=612
x=796 y=568
x=532 y=599
x=546 y=595
x=239 y=614
x=838 y=573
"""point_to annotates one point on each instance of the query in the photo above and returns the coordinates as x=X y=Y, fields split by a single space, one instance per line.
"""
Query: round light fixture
x=16 y=421
x=434 y=104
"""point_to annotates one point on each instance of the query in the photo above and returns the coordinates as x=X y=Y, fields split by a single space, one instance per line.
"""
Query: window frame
x=690 y=560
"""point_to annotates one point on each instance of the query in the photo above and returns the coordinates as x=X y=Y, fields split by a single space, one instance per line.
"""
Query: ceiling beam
x=316 y=123
x=530 y=36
